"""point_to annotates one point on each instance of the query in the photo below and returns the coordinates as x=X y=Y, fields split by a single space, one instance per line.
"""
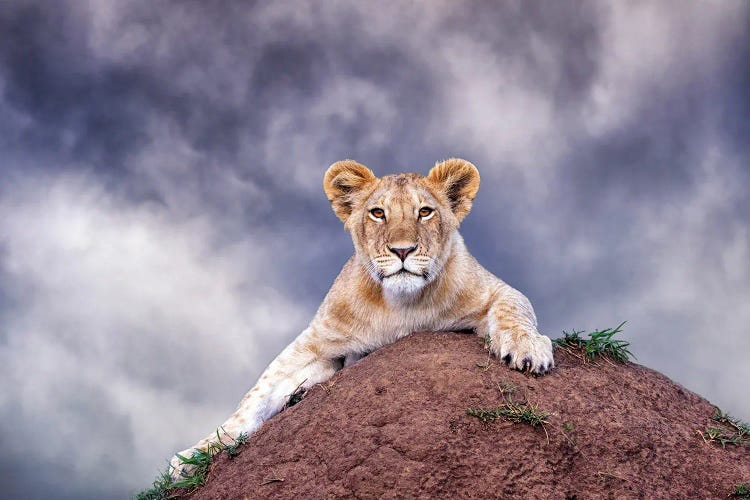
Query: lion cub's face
x=402 y=225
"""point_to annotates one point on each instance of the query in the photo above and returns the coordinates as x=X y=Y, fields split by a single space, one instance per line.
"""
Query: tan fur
x=378 y=297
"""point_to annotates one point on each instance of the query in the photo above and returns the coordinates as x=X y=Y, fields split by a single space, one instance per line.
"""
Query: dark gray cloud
x=163 y=232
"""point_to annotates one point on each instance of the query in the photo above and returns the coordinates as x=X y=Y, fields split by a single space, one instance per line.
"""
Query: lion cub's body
x=410 y=271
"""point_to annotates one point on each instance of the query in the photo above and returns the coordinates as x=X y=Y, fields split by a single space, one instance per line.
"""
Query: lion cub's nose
x=402 y=252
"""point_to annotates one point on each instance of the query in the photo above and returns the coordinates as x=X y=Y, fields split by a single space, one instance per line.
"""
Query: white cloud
x=500 y=101
x=121 y=318
x=699 y=267
x=650 y=46
x=297 y=140
x=194 y=59
x=193 y=183
x=490 y=100
x=687 y=304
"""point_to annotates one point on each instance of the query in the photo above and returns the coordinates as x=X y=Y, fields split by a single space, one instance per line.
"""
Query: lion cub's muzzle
x=403 y=261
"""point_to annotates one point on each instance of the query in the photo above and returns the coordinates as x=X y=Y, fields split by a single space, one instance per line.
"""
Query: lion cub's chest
x=400 y=320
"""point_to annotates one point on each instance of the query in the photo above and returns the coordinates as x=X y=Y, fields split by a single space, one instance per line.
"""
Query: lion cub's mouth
x=403 y=271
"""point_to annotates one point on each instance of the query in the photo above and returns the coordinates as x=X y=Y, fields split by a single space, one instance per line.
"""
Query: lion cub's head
x=402 y=225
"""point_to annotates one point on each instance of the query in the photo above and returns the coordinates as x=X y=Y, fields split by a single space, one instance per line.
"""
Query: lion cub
x=410 y=271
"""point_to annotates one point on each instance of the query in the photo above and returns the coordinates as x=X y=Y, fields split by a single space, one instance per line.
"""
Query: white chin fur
x=403 y=286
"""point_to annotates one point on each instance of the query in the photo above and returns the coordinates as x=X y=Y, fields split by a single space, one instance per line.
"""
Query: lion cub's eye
x=425 y=212
x=378 y=213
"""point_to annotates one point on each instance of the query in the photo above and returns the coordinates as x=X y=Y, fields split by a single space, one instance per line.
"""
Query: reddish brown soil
x=394 y=425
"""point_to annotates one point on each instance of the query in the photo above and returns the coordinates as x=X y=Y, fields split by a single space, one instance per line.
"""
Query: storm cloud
x=163 y=231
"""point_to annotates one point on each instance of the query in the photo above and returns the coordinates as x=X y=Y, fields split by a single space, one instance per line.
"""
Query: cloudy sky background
x=163 y=230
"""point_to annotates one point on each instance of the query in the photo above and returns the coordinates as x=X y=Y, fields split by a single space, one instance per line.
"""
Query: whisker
x=373 y=269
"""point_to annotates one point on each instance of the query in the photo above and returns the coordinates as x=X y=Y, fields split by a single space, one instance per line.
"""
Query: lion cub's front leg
x=513 y=333
x=300 y=365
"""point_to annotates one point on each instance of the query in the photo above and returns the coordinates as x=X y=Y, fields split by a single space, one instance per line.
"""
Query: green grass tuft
x=733 y=431
x=159 y=490
x=721 y=436
x=521 y=413
x=486 y=341
x=742 y=428
x=741 y=491
x=507 y=387
x=200 y=460
x=599 y=344
x=233 y=449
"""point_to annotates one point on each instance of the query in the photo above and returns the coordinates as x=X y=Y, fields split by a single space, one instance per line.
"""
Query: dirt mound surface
x=395 y=425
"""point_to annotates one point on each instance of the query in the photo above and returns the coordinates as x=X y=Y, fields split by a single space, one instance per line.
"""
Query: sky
x=164 y=232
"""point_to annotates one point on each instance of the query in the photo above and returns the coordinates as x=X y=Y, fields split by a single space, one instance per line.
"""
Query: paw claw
x=526 y=364
x=531 y=353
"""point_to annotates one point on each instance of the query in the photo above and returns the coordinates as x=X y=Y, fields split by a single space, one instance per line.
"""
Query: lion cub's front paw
x=532 y=352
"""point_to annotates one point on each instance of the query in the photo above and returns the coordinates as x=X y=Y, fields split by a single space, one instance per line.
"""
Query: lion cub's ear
x=459 y=180
x=343 y=181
